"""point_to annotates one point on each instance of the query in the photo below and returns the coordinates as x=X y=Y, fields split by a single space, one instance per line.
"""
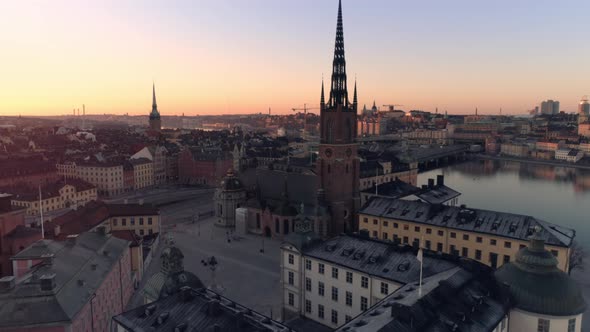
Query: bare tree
x=577 y=255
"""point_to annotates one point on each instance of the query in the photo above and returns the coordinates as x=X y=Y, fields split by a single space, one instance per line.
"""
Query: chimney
x=71 y=240
x=101 y=230
x=5 y=202
x=7 y=283
x=430 y=183
x=440 y=180
x=47 y=282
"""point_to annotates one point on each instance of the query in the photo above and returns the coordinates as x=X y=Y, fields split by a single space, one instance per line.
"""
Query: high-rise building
x=550 y=107
x=583 y=110
x=338 y=162
x=155 y=121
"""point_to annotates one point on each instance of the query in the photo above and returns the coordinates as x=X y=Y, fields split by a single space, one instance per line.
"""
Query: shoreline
x=532 y=161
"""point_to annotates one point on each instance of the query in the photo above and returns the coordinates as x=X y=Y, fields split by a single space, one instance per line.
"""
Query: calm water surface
x=555 y=194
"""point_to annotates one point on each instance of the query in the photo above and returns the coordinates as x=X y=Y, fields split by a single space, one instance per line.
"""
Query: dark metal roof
x=503 y=224
x=196 y=310
x=460 y=299
x=379 y=258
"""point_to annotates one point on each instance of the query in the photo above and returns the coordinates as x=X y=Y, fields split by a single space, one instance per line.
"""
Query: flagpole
x=421 y=263
x=41 y=213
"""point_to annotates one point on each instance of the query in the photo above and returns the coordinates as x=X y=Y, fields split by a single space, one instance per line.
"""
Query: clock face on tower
x=348 y=152
x=328 y=153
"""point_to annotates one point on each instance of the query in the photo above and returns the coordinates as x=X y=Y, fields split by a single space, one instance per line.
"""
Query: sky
x=244 y=56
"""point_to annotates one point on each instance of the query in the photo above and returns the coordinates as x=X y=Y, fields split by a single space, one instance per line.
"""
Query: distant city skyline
x=231 y=57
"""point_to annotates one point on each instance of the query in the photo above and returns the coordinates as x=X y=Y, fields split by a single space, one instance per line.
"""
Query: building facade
x=107 y=177
x=229 y=196
x=491 y=237
x=143 y=173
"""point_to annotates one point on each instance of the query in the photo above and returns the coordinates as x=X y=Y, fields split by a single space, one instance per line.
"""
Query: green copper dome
x=537 y=285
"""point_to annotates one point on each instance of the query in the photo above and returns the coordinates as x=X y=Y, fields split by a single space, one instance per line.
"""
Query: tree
x=577 y=255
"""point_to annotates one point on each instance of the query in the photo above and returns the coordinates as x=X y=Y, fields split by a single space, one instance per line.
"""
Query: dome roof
x=231 y=182
x=537 y=285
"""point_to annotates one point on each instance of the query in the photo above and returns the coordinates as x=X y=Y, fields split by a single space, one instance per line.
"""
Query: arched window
x=286 y=226
x=277 y=226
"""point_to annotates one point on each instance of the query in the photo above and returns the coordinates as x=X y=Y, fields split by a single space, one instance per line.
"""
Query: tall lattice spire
x=338 y=90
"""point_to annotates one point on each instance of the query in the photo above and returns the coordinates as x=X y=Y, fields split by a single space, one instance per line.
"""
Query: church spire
x=154 y=104
x=322 y=100
x=338 y=90
x=354 y=99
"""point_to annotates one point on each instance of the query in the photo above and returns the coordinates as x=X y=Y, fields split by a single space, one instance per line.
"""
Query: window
x=507 y=244
x=291 y=278
x=334 y=316
x=366 y=220
x=543 y=325
x=384 y=288
x=375 y=234
x=114 y=222
x=149 y=220
x=554 y=252
x=123 y=222
x=335 y=272
x=291 y=299
x=132 y=221
x=406 y=239
x=440 y=233
x=571 y=325
x=406 y=227
x=277 y=226
x=452 y=249
x=395 y=225
x=349 y=299
x=464 y=252
x=375 y=222
x=466 y=237
x=349 y=277
x=521 y=246
x=364 y=282
x=308 y=284
x=453 y=235
x=478 y=239
x=364 y=303
x=141 y=221
x=347 y=319
x=308 y=306
x=334 y=294
x=429 y=231
x=478 y=255
x=321 y=288
x=428 y=244
x=320 y=311
x=307 y=264
x=385 y=236
x=291 y=259
x=492 y=242
x=385 y=223
x=439 y=247
x=417 y=229
x=320 y=268
x=141 y=232
x=506 y=259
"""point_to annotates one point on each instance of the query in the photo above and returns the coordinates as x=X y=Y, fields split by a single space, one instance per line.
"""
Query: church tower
x=338 y=162
x=155 y=121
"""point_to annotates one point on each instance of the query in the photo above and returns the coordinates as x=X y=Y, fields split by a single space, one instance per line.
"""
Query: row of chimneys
x=440 y=181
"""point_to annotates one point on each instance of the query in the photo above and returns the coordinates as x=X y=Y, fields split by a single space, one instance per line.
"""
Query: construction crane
x=391 y=107
x=304 y=109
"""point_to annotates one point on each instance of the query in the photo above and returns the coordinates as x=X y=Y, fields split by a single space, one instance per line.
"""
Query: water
x=555 y=194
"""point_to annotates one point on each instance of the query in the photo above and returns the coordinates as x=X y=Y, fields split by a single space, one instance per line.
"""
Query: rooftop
x=196 y=310
x=503 y=224
x=77 y=271
x=379 y=258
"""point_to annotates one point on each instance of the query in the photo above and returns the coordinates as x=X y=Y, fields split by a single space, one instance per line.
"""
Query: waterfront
x=559 y=195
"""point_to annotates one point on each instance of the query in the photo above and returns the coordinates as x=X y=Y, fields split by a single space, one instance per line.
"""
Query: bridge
x=380 y=138
x=432 y=156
